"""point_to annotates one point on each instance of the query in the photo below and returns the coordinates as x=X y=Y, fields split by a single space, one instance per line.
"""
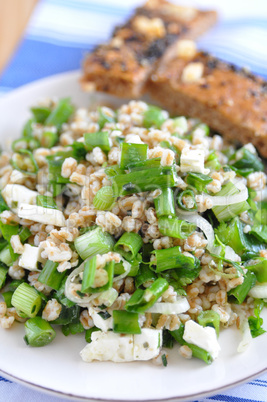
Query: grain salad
x=138 y=229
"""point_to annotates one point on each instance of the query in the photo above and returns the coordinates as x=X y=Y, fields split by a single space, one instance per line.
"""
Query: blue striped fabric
x=62 y=31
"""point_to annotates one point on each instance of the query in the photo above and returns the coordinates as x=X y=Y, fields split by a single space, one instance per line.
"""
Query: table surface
x=61 y=32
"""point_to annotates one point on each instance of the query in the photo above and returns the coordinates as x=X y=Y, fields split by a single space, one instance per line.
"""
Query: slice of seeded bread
x=232 y=101
x=122 y=66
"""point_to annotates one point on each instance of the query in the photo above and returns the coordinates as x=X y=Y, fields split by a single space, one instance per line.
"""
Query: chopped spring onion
x=28 y=129
x=104 y=198
x=153 y=116
x=90 y=274
x=261 y=214
x=120 y=269
x=178 y=307
x=29 y=143
x=198 y=180
x=73 y=328
x=88 y=333
x=6 y=257
x=60 y=114
x=259 y=291
x=259 y=267
x=38 y=332
x=125 y=322
x=113 y=170
x=229 y=199
x=175 y=227
x=142 y=300
x=3 y=274
x=24 y=233
x=132 y=154
x=7 y=298
x=93 y=242
x=127 y=269
x=3 y=204
x=164 y=203
x=164 y=360
x=78 y=150
x=8 y=231
x=233 y=234
x=100 y=139
x=67 y=315
x=212 y=162
x=104 y=117
x=241 y=291
x=186 y=200
x=54 y=169
x=46 y=201
x=230 y=202
x=40 y=113
x=148 y=164
x=3 y=243
x=144 y=275
x=259 y=231
x=72 y=295
x=210 y=318
x=50 y=276
x=143 y=180
x=26 y=300
x=246 y=335
x=246 y=160
x=173 y=258
x=24 y=162
x=48 y=139
x=168 y=340
x=108 y=297
x=128 y=245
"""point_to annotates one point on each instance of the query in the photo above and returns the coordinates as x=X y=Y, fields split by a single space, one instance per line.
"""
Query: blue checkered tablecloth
x=58 y=35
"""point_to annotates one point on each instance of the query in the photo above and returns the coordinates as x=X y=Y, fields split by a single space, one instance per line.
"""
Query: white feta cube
x=99 y=322
x=108 y=346
x=203 y=337
x=147 y=345
x=48 y=216
x=192 y=160
x=15 y=194
x=30 y=257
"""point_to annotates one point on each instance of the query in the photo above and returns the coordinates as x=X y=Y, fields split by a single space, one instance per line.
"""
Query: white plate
x=58 y=366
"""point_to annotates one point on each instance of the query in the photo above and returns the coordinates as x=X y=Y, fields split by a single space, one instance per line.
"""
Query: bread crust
x=122 y=66
x=230 y=100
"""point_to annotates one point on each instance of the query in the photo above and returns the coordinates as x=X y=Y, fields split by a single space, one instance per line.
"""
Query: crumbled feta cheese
x=123 y=348
x=48 y=216
x=15 y=194
x=108 y=346
x=204 y=338
x=192 y=160
x=99 y=322
x=147 y=345
x=30 y=257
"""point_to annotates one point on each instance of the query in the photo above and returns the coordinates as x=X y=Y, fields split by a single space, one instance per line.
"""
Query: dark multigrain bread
x=229 y=99
x=122 y=66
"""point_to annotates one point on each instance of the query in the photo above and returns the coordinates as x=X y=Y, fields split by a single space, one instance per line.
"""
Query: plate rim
x=74 y=75
x=72 y=397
